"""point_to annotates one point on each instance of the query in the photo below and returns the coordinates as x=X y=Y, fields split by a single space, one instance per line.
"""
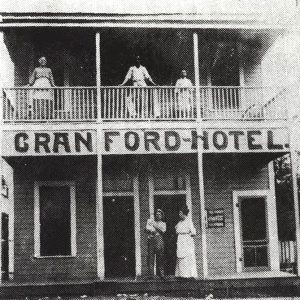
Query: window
x=55 y=220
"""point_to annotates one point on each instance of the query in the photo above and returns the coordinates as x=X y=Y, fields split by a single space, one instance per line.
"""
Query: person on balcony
x=42 y=97
x=186 y=259
x=155 y=229
x=138 y=74
x=184 y=93
x=136 y=100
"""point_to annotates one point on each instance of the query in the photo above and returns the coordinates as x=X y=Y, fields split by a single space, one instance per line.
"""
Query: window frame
x=37 y=224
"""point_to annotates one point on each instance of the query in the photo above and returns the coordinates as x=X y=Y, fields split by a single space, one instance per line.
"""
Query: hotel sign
x=189 y=140
x=84 y=142
x=40 y=143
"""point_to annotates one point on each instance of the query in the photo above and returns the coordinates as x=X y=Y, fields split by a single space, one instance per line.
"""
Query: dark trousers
x=156 y=249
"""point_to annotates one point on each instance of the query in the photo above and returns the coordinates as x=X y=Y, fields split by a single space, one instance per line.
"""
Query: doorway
x=170 y=204
x=254 y=234
x=119 y=236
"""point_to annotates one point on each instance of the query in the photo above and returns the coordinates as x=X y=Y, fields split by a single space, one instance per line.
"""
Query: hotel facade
x=90 y=160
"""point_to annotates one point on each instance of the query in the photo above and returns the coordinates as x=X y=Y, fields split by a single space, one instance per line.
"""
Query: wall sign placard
x=215 y=218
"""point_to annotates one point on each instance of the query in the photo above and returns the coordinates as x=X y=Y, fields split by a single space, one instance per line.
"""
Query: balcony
x=91 y=104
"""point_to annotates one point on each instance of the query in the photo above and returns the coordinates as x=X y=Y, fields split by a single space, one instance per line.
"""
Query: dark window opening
x=225 y=75
x=55 y=221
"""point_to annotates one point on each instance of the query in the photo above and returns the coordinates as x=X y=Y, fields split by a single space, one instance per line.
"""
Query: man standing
x=137 y=100
x=155 y=229
x=138 y=74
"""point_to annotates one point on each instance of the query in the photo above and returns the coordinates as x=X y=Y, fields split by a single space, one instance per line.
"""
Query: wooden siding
x=83 y=266
x=219 y=181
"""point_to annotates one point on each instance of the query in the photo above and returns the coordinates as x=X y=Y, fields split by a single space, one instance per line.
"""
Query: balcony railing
x=88 y=104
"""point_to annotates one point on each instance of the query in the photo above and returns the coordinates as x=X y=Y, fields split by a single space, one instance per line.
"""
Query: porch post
x=99 y=214
x=98 y=75
x=294 y=164
x=1 y=174
x=197 y=75
x=202 y=207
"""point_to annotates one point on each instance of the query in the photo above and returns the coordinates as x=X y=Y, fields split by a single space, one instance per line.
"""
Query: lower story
x=70 y=222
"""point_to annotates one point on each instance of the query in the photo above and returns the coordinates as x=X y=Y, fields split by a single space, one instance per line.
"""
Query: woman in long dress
x=186 y=259
x=42 y=96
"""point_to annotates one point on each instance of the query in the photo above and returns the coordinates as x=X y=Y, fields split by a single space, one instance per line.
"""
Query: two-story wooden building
x=92 y=160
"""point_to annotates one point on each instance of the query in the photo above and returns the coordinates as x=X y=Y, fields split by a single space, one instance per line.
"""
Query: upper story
x=90 y=54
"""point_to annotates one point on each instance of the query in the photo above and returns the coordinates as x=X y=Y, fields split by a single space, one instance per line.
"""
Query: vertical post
x=272 y=221
x=98 y=75
x=241 y=76
x=202 y=207
x=296 y=204
x=99 y=213
x=137 y=225
x=197 y=75
x=1 y=174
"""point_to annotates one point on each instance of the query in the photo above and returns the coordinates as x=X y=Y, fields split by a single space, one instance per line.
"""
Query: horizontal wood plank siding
x=218 y=187
x=83 y=266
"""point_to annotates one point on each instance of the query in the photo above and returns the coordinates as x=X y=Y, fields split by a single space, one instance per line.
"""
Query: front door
x=254 y=234
x=119 y=242
x=170 y=204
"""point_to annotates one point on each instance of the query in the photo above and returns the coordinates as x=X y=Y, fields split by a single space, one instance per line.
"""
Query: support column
x=294 y=164
x=99 y=214
x=197 y=74
x=137 y=225
x=98 y=75
x=1 y=174
x=202 y=207
x=272 y=220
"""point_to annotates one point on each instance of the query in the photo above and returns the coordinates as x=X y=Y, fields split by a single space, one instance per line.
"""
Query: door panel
x=170 y=204
x=119 y=242
x=255 y=243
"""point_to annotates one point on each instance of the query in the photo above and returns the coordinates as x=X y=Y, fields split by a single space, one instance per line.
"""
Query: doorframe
x=187 y=191
x=272 y=230
x=37 y=229
x=137 y=229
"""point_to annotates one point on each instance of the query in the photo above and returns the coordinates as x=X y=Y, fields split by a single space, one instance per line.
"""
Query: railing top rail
x=146 y=87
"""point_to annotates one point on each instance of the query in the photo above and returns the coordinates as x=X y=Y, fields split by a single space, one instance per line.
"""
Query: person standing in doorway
x=186 y=259
x=156 y=228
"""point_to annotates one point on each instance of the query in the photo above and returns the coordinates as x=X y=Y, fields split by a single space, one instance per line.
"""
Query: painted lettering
x=108 y=140
x=41 y=140
x=203 y=137
x=136 y=140
x=151 y=137
x=168 y=136
x=79 y=139
x=61 y=138
x=271 y=144
x=236 y=138
x=224 y=140
x=20 y=144
x=251 y=139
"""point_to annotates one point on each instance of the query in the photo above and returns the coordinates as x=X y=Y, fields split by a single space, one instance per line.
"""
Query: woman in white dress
x=186 y=259
x=42 y=96
x=184 y=93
